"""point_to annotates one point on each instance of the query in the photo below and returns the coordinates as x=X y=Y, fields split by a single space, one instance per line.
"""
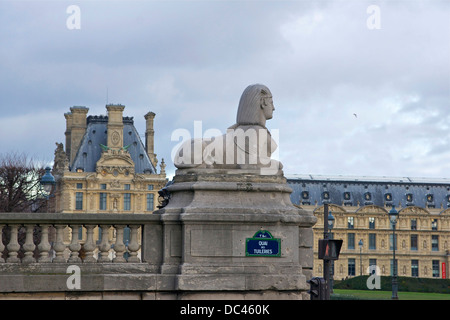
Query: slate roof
x=351 y=190
x=96 y=133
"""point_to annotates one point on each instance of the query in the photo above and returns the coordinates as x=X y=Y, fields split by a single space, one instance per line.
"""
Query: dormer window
x=347 y=198
x=430 y=200
x=368 y=198
x=305 y=197
x=388 y=197
x=409 y=199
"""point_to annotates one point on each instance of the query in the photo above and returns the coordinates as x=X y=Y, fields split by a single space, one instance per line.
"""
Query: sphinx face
x=267 y=107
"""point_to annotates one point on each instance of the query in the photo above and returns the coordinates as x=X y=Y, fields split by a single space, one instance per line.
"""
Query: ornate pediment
x=333 y=208
x=414 y=210
x=115 y=162
x=372 y=209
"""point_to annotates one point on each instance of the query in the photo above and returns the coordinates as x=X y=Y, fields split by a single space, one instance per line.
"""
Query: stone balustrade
x=40 y=250
x=108 y=250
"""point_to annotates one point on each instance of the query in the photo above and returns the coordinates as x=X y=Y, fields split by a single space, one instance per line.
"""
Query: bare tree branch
x=20 y=189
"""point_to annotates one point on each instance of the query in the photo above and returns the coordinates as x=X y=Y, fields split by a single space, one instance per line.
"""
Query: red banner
x=444 y=270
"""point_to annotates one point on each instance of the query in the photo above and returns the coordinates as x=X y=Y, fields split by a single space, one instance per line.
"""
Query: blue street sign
x=262 y=245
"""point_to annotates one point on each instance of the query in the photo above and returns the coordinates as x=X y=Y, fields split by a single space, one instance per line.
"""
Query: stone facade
x=105 y=167
x=360 y=207
x=422 y=241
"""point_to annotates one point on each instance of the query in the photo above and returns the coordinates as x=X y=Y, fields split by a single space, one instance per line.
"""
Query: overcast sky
x=358 y=90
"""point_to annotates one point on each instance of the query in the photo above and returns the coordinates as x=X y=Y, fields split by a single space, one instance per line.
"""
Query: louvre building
x=360 y=206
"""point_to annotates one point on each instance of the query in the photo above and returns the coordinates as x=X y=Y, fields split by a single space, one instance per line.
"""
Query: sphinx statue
x=227 y=190
x=247 y=144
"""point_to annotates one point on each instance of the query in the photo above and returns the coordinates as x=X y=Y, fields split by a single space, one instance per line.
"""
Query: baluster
x=28 y=246
x=75 y=246
x=104 y=245
x=134 y=246
x=2 y=246
x=89 y=245
x=59 y=245
x=119 y=246
x=44 y=246
x=13 y=245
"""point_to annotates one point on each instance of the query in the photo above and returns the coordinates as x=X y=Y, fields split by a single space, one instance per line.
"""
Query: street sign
x=263 y=244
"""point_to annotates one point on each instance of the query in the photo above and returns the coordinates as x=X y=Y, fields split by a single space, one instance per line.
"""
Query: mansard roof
x=96 y=133
x=363 y=190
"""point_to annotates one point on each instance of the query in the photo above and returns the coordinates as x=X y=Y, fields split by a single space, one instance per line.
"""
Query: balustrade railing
x=25 y=237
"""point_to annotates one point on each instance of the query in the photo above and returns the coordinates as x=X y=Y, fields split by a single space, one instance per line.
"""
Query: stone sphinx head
x=255 y=106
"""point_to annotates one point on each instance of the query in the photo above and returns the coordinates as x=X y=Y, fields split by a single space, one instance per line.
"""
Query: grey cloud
x=191 y=60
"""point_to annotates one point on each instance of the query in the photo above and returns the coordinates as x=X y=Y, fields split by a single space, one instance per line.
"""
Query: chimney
x=115 y=126
x=76 y=121
x=150 y=137
x=68 y=116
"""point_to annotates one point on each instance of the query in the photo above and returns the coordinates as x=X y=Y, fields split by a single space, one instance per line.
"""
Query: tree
x=20 y=189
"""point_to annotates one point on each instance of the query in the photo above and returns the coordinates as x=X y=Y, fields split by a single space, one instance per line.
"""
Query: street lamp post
x=360 y=243
x=330 y=224
x=393 y=216
x=327 y=225
x=48 y=182
x=331 y=263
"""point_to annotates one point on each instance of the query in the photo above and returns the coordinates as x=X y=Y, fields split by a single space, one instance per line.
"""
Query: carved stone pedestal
x=209 y=228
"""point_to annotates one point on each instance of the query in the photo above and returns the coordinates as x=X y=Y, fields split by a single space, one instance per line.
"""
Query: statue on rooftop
x=61 y=161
